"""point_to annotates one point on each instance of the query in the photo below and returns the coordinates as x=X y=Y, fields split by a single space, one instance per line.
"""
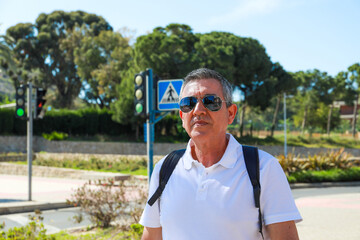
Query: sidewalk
x=47 y=193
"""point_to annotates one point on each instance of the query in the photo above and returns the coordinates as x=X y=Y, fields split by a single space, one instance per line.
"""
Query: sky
x=299 y=34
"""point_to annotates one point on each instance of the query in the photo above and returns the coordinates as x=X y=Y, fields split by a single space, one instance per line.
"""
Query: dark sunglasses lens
x=213 y=103
x=187 y=104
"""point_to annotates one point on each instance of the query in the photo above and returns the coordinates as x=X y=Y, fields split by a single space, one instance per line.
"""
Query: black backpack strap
x=251 y=157
x=166 y=170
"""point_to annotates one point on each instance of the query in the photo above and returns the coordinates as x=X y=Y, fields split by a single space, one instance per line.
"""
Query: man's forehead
x=202 y=87
x=203 y=83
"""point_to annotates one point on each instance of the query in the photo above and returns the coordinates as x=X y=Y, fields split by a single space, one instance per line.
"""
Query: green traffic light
x=139 y=108
x=20 y=112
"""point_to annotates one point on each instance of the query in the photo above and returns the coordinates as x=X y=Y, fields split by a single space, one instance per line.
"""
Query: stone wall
x=18 y=144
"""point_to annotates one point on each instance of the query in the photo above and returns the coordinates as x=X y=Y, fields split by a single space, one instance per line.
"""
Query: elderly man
x=209 y=195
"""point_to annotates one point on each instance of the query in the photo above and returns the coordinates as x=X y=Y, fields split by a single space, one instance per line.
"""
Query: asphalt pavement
x=46 y=193
x=331 y=213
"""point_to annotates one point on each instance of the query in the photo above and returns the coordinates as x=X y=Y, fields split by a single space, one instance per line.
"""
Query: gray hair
x=205 y=73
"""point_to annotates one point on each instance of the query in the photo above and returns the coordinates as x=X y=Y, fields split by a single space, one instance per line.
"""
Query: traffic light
x=40 y=101
x=140 y=94
x=20 y=101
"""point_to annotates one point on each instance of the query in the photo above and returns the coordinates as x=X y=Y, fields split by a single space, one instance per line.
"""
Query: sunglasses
x=211 y=102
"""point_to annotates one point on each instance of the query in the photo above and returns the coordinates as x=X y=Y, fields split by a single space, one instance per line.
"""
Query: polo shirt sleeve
x=151 y=214
x=276 y=199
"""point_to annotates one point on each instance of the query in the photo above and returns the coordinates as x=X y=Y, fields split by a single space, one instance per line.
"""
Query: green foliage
x=171 y=127
x=331 y=175
x=85 y=122
x=122 y=165
x=106 y=201
x=7 y=117
x=329 y=160
x=9 y=125
x=102 y=62
x=57 y=136
x=69 y=51
x=133 y=232
x=123 y=107
x=45 y=50
x=136 y=230
x=168 y=51
x=316 y=92
x=34 y=230
x=334 y=141
x=88 y=121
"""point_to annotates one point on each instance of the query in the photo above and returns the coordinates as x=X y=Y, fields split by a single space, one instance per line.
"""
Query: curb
x=324 y=185
x=12 y=208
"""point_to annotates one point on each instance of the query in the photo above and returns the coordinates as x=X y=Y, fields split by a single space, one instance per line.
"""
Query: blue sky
x=300 y=34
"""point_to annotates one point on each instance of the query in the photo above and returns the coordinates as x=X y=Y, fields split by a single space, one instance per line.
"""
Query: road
x=329 y=213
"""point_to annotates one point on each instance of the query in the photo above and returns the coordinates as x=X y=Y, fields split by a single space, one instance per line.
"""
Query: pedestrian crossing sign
x=169 y=94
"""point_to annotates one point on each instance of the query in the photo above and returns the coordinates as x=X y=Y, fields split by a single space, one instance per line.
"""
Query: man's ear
x=232 y=113
x=181 y=116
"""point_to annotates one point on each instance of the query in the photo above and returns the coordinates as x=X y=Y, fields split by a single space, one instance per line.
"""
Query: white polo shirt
x=217 y=203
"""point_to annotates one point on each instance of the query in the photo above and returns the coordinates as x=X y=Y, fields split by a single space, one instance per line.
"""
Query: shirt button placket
x=202 y=189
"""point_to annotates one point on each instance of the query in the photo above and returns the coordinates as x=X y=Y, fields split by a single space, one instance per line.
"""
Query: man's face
x=201 y=123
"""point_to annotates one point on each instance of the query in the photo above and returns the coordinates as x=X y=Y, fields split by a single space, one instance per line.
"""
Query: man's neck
x=209 y=153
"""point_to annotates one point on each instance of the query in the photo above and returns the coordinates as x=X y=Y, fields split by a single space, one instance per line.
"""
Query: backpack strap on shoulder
x=251 y=157
x=166 y=170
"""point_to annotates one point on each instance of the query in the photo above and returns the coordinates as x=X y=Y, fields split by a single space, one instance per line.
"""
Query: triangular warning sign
x=170 y=95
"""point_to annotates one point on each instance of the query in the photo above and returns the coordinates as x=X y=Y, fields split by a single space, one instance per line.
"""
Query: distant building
x=346 y=111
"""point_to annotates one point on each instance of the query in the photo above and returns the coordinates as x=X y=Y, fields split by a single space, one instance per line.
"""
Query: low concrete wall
x=42 y=171
x=18 y=144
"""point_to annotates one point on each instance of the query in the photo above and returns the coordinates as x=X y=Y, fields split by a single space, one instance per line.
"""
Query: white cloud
x=246 y=9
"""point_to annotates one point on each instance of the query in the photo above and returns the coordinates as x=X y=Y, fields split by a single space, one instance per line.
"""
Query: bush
x=32 y=231
x=57 y=136
x=7 y=117
x=333 y=175
x=86 y=122
x=121 y=164
x=330 y=160
x=105 y=202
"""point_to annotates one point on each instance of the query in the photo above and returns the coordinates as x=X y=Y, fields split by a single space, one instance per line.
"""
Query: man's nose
x=199 y=108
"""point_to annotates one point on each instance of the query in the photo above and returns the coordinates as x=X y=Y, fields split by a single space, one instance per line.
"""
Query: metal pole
x=285 y=143
x=29 y=134
x=149 y=121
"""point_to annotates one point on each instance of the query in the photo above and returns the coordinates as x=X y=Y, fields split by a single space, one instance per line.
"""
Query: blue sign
x=169 y=94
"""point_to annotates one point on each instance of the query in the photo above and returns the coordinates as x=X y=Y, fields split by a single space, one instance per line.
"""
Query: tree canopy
x=43 y=49
x=77 y=52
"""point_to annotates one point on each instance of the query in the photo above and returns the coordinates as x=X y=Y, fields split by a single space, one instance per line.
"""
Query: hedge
x=86 y=122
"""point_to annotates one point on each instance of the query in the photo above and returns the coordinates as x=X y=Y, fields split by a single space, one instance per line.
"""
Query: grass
x=114 y=233
x=333 y=141
x=133 y=165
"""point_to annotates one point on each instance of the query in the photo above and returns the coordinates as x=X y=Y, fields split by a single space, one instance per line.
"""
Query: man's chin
x=200 y=134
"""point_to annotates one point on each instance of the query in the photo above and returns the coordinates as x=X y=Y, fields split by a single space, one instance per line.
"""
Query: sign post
x=150 y=120
x=29 y=134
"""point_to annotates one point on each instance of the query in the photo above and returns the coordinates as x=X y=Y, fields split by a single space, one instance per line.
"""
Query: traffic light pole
x=150 y=121
x=29 y=134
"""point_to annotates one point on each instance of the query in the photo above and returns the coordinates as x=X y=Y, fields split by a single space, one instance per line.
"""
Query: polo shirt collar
x=228 y=160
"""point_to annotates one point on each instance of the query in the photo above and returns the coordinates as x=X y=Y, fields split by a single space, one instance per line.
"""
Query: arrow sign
x=169 y=94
